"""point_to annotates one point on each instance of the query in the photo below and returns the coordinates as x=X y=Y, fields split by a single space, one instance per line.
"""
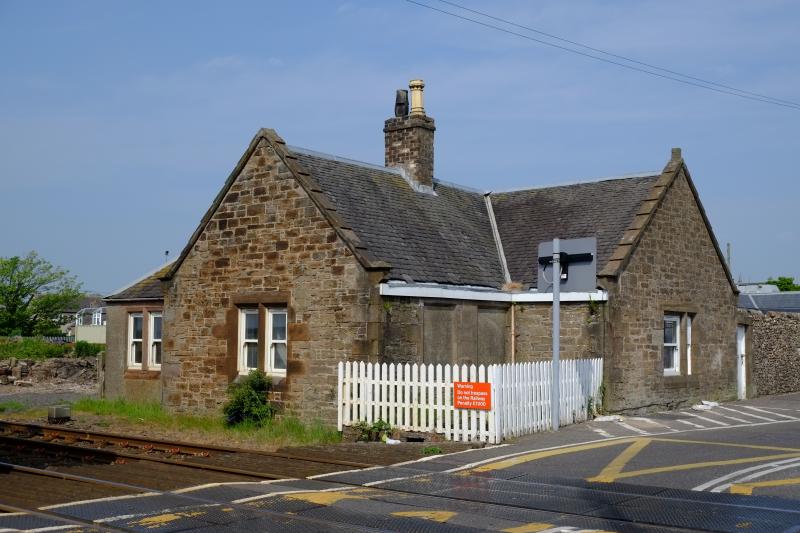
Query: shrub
x=248 y=400
x=372 y=432
x=87 y=349
x=31 y=348
x=431 y=450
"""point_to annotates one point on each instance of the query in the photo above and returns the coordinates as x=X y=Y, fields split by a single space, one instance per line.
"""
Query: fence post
x=339 y=395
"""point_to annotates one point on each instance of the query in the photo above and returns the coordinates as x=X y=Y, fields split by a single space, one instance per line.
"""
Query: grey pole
x=555 y=390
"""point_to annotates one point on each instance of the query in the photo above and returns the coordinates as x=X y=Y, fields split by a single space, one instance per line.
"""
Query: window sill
x=138 y=373
x=672 y=373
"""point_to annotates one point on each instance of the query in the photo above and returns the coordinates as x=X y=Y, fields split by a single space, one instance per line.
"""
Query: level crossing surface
x=735 y=467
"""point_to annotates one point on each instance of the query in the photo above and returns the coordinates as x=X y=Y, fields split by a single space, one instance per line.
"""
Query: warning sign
x=470 y=395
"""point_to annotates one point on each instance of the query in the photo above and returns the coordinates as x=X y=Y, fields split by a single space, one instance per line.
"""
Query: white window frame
x=151 y=354
x=688 y=344
x=243 y=341
x=270 y=363
x=79 y=318
x=674 y=370
x=131 y=339
x=97 y=317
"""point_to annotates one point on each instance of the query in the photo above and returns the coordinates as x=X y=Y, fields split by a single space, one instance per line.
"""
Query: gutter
x=483 y=295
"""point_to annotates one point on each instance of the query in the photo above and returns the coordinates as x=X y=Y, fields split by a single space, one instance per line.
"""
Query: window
x=154 y=361
x=79 y=318
x=97 y=317
x=248 y=333
x=135 y=337
x=677 y=342
x=274 y=340
x=276 y=363
x=672 y=352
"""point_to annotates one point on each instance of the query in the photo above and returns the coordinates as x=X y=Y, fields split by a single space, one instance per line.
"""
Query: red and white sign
x=471 y=395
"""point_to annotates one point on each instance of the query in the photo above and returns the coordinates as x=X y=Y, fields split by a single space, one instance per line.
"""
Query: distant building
x=785 y=302
x=757 y=288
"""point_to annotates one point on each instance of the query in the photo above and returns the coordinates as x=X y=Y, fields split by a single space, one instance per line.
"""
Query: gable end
x=311 y=187
x=644 y=216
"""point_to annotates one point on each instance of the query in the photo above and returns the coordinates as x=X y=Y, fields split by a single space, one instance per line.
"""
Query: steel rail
x=80 y=450
x=161 y=444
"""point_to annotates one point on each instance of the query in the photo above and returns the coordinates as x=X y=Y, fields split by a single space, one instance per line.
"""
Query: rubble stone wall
x=774 y=344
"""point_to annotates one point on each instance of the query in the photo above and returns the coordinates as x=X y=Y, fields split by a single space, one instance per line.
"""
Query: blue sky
x=119 y=121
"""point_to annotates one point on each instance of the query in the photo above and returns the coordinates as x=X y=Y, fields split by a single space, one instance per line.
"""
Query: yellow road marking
x=152 y=522
x=529 y=528
x=692 y=466
x=323 y=498
x=535 y=456
x=747 y=488
x=435 y=516
x=731 y=445
x=614 y=468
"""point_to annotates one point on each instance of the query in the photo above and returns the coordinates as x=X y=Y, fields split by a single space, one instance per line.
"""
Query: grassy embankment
x=284 y=431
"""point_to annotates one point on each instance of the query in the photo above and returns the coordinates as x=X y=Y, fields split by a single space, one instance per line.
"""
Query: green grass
x=11 y=406
x=285 y=431
x=35 y=349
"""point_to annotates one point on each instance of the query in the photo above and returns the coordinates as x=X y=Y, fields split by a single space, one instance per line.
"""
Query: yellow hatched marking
x=535 y=456
x=435 y=516
x=692 y=466
x=747 y=488
x=614 y=468
x=152 y=522
x=323 y=498
x=529 y=528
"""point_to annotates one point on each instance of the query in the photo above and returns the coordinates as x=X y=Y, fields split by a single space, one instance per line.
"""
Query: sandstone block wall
x=267 y=244
x=581 y=331
x=674 y=269
x=774 y=345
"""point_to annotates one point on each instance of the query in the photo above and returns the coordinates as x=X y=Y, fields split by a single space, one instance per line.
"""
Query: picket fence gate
x=420 y=397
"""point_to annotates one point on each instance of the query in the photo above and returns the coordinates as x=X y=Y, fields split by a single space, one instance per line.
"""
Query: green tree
x=784 y=283
x=33 y=295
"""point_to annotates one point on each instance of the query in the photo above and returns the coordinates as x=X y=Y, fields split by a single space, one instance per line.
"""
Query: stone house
x=306 y=259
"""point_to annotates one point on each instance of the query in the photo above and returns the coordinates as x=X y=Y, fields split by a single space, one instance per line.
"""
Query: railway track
x=153 y=464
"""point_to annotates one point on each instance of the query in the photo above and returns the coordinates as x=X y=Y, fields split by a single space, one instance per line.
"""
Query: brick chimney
x=409 y=137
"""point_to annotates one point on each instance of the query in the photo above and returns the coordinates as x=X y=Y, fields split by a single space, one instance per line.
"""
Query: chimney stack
x=409 y=137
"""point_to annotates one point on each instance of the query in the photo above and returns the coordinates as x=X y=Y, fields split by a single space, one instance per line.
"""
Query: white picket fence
x=420 y=397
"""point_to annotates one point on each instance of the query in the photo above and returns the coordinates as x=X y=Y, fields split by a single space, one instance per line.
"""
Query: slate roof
x=443 y=238
x=146 y=288
x=787 y=302
x=447 y=237
x=601 y=209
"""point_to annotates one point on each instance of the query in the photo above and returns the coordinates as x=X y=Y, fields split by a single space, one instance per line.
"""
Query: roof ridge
x=643 y=174
x=333 y=157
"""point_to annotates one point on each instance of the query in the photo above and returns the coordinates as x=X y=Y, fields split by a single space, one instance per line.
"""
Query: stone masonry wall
x=581 y=331
x=674 y=269
x=267 y=243
x=774 y=344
